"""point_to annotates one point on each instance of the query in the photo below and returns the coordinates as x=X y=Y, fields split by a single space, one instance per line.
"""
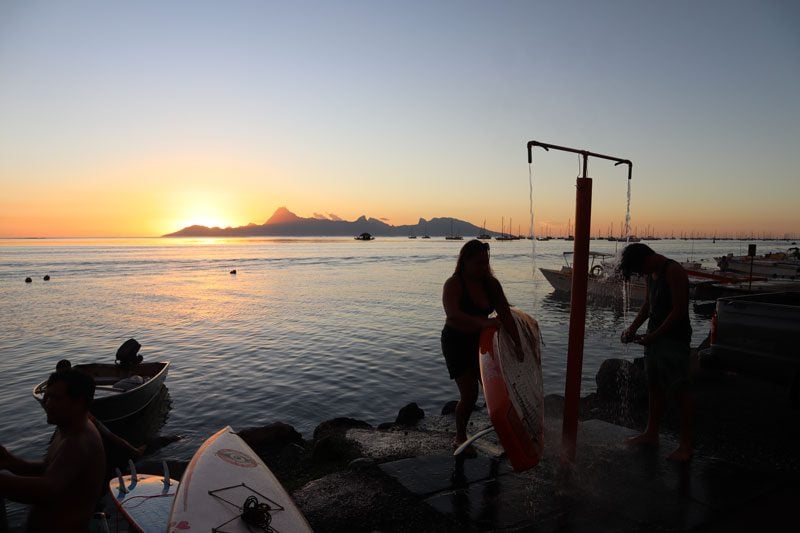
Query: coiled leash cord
x=256 y=514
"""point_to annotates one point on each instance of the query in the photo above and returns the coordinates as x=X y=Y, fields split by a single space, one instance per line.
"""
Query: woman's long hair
x=468 y=251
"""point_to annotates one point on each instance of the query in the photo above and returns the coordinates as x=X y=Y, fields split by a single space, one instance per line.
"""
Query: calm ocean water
x=307 y=330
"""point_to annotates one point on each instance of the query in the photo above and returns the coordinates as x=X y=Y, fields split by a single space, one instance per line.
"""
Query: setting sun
x=209 y=221
x=203 y=207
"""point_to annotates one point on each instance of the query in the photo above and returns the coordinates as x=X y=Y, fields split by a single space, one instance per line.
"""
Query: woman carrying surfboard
x=469 y=297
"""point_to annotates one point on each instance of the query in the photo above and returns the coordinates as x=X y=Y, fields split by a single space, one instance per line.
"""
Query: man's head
x=633 y=259
x=68 y=396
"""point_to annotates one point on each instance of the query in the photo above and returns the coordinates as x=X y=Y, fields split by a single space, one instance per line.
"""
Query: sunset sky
x=139 y=118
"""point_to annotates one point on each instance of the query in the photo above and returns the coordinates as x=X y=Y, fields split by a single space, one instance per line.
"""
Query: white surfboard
x=221 y=476
x=144 y=500
x=513 y=390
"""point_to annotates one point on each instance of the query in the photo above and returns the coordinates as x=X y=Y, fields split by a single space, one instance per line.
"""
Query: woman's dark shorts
x=460 y=351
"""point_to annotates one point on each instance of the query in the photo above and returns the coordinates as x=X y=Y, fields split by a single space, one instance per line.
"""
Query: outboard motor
x=128 y=353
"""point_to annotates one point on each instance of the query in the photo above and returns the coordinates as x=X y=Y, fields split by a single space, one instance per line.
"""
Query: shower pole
x=580 y=280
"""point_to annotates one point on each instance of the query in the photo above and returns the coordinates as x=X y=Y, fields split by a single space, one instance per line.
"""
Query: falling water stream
x=530 y=229
x=623 y=380
x=628 y=214
x=625 y=283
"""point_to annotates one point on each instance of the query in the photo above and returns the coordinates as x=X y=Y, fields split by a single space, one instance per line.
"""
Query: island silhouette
x=284 y=223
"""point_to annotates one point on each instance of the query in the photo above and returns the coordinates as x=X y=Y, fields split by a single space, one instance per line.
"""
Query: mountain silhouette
x=284 y=223
x=282 y=216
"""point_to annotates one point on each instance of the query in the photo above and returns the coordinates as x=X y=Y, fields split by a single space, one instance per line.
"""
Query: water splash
x=623 y=389
x=626 y=293
x=626 y=283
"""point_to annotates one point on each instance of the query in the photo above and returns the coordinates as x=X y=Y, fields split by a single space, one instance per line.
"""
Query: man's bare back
x=64 y=488
x=76 y=464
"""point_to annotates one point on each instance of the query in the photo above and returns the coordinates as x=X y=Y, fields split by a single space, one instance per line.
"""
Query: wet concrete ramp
x=612 y=488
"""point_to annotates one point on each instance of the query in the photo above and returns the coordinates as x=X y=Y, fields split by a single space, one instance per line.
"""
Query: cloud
x=334 y=217
x=384 y=219
x=320 y=216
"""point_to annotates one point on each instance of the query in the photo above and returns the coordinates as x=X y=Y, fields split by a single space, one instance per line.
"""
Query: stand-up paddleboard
x=226 y=479
x=513 y=390
x=144 y=500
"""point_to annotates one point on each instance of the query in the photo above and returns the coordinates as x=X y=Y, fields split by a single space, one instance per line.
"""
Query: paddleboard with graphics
x=226 y=480
x=144 y=500
x=513 y=390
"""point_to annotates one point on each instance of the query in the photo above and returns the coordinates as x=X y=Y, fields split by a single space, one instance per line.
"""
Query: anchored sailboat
x=484 y=236
x=453 y=236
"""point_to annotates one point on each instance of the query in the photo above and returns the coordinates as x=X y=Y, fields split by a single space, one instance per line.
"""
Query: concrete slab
x=612 y=487
x=504 y=502
x=437 y=473
x=525 y=502
x=717 y=484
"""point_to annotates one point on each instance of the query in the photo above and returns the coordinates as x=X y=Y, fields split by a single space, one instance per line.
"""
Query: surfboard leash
x=255 y=513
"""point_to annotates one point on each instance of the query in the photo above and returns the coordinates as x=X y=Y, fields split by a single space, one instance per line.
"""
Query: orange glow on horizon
x=163 y=194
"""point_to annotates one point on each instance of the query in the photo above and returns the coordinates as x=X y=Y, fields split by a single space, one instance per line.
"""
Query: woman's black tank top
x=468 y=306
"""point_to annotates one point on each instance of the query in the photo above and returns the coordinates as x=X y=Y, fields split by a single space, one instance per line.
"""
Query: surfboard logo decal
x=236 y=458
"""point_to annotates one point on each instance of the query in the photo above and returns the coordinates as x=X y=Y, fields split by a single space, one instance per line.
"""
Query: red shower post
x=577 y=316
x=577 y=311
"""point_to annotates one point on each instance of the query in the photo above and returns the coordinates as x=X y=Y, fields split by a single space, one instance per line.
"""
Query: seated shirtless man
x=110 y=439
x=64 y=488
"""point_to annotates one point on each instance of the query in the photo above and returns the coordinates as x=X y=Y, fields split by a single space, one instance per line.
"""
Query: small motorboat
x=121 y=390
x=364 y=237
x=603 y=284
x=773 y=265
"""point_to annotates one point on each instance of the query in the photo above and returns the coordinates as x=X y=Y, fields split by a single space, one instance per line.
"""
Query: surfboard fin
x=134 y=477
x=121 y=483
x=166 y=475
x=472 y=439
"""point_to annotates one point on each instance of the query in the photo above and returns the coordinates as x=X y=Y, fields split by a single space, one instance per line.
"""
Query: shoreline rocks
x=338 y=481
x=409 y=415
x=449 y=408
x=338 y=425
x=271 y=437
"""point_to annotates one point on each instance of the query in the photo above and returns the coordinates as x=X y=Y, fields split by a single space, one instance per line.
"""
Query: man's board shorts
x=667 y=363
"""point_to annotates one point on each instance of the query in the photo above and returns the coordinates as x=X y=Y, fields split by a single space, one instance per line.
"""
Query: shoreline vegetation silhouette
x=285 y=223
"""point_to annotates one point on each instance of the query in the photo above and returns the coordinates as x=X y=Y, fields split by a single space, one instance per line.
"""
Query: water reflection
x=463 y=485
x=308 y=329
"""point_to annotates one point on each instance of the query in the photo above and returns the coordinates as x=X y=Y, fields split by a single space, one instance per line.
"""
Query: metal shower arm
x=583 y=153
